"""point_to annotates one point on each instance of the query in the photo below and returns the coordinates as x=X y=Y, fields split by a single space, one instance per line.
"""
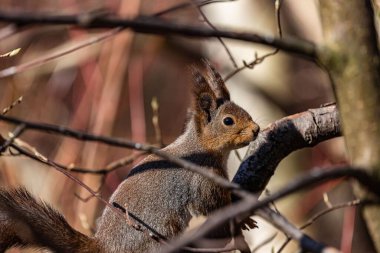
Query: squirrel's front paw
x=248 y=224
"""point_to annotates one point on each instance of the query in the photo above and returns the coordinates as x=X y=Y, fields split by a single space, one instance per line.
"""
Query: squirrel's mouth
x=243 y=144
x=248 y=131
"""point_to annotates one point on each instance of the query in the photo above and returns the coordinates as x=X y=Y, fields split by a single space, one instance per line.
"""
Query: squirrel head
x=220 y=124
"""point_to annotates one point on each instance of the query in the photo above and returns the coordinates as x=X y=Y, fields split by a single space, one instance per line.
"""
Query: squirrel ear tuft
x=200 y=83
x=205 y=102
x=216 y=83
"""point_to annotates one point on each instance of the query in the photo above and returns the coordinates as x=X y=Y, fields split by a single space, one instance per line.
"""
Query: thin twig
x=101 y=172
x=326 y=200
x=318 y=215
x=11 y=53
x=244 y=208
x=260 y=59
x=97 y=191
x=155 y=121
x=8 y=108
x=238 y=156
x=154 y=25
x=16 y=133
x=38 y=157
x=205 y=18
x=332 y=208
x=187 y=5
x=228 y=248
x=117 y=142
x=46 y=58
x=110 y=167
x=265 y=242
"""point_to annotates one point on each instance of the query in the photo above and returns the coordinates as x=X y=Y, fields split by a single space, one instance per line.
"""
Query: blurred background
x=107 y=88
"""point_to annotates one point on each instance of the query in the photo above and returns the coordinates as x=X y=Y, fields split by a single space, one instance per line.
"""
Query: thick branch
x=282 y=137
x=154 y=25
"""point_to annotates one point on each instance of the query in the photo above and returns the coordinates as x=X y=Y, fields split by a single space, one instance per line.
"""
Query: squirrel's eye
x=228 y=121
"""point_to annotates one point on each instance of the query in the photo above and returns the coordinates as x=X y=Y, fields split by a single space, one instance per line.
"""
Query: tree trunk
x=351 y=56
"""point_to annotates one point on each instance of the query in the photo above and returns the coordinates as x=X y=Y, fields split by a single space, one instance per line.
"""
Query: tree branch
x=117 y=142
x=282 y=137
x=281 y=223
x=137 y=223
x=208 y=22
x=154 y=25
x=260 y=59
x=245 y=207
x=188 y=4
x=46 y=58
x=4 y=144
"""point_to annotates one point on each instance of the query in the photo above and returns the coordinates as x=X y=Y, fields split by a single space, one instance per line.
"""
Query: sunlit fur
x=217 y=136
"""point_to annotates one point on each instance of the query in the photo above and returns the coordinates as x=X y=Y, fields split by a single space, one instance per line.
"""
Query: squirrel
x=158 y=192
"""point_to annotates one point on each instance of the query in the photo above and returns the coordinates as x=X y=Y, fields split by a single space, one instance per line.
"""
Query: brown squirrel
x=158 y=192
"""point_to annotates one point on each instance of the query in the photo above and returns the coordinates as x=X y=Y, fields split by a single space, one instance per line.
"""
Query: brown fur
x=24 y=221
x=158 y=192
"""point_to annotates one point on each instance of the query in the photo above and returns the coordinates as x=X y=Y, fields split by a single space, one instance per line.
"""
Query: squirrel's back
x=175 y=195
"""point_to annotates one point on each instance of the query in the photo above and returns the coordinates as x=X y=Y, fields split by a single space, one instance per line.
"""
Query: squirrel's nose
x=256 y=132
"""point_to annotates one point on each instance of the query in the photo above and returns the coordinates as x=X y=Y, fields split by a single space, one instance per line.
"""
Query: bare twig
x=143 y=227
x=228 y=248
x=318 y=215
x=71 y=168
x=155 y=121
x=11 y=53
x=250 y=204
x=326 y=200
x=355 y=202
x=123 y=161
x=86 y=199
x=238 y=156
x=16 y=133
x=97 y=191
x=16 y=102
x=188 y=4
x=128 y=144
x=46 y=58
x=108 y=168
x=208 y=22
x=153 y=25
x=281 y=223
x=260 y=59
x=103 y=172
x=265 y=242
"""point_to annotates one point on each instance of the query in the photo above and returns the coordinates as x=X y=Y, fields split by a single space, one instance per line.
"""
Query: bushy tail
x=25 y=221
